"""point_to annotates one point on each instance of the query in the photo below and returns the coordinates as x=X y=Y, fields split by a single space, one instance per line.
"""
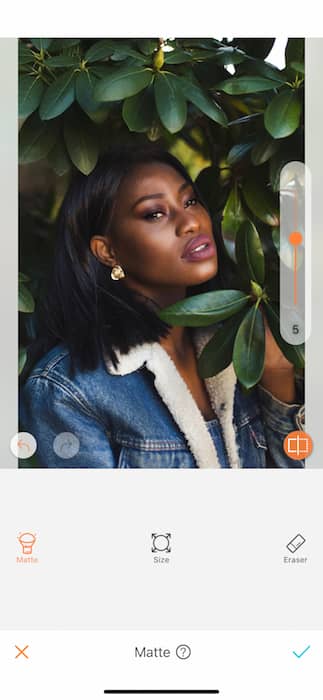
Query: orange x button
x=21 y=652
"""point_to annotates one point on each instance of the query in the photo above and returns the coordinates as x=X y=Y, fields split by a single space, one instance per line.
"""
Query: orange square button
x=298 y=445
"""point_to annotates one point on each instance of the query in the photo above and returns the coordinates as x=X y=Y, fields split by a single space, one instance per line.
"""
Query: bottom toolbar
x=91 y=665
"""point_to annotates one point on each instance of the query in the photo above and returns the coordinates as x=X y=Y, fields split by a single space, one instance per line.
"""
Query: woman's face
x=160 y=234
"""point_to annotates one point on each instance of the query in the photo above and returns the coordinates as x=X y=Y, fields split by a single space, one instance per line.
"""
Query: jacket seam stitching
x=247 y=420
x=85 y=407
x=148 y=445
x=50 y=365
x=259 y=444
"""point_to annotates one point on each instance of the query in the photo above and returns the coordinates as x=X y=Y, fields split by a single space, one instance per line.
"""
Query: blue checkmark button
x=299 y=656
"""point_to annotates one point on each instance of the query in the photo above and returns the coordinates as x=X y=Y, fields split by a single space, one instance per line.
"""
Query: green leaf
x=36 y=139
x=246 y=85
x=123 y=82
x=22 y=359
x=201 y=55
x=58 y=159
x=101 y=71
x=177 y=56
x=261 y=201
x=245 y=120
x=84 y=88
x=26 y=302
x=229 y=55
x=31 y=89
x=211 y=189
x=209 y=74
x=205 y=309
x=298 y=66
x=203 y=102
x=293 y=353
x=25 y=55
x=217 y=354
x=249 y=252
x=63 y=61
x=100 y=51
x=233 y=216
x=189 y=55
x=22 y=277
x=81 y=141
x=41 y=43
x=294 y=50
x=249 y=348
x=207 y=44
x=263 y=151
x=282 y=116
x=139 y=111
x=58 y=44
x=170 y=103
x=124 y=53
x=58 y=96
x=263 y=68
x=99 y=116
x=238 y=152
x=147 y=46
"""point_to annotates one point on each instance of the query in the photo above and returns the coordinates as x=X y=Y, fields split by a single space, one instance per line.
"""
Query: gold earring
x=117 y=273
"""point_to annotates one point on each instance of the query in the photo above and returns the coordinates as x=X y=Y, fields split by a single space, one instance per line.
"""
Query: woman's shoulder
x=53 y=378
x=57 y=359
x=54 y=382
x=56 y=367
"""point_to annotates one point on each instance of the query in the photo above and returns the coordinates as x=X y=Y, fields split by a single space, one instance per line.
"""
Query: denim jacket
x=142 y=415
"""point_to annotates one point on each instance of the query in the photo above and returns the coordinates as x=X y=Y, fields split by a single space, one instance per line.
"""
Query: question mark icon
x=183 y=651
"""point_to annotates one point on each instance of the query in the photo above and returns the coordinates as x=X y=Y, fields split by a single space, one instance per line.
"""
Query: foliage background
x=233 y=132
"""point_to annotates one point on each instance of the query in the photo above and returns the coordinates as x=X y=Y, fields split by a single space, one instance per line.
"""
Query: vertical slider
x=295 y=253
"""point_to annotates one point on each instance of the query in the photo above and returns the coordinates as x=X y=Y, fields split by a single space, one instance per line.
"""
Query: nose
x=187 y=222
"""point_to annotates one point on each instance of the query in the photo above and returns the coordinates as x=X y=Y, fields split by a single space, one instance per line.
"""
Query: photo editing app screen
x=161 y=443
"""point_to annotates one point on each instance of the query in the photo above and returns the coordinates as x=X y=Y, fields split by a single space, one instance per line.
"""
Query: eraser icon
x=295 y=543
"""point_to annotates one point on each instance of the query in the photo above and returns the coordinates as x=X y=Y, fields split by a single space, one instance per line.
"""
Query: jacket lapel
x=178 y=398
x=176 y=395
x=221 y=390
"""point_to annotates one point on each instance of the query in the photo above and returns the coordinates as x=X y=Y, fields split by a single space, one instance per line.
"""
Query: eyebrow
x=158 y=195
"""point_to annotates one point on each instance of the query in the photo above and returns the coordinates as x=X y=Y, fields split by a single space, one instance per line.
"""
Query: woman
x=134 y=237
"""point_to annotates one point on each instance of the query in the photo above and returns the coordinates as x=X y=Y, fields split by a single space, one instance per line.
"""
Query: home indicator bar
x=162 y=692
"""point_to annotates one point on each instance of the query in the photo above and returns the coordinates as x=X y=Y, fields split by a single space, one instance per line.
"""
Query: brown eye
x=154 y=215
x=191 y=202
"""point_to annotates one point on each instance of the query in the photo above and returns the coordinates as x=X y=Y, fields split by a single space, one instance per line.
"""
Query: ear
x=103 y=250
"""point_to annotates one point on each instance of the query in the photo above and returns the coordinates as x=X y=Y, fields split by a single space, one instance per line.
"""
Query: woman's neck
x=177 y=344
x=178 y=341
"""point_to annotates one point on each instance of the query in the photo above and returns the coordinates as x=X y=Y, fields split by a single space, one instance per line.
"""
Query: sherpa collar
x=176 y=395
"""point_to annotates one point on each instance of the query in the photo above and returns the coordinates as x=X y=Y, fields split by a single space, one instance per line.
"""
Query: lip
x=190 y=253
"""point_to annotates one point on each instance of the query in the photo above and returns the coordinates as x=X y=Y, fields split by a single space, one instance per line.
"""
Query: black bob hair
x=84 y=308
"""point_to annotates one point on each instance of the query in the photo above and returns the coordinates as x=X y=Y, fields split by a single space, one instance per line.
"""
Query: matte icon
x=27 y=541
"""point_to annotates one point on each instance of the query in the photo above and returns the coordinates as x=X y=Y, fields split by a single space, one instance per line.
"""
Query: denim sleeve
x=47 y=410
x=280 y=419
